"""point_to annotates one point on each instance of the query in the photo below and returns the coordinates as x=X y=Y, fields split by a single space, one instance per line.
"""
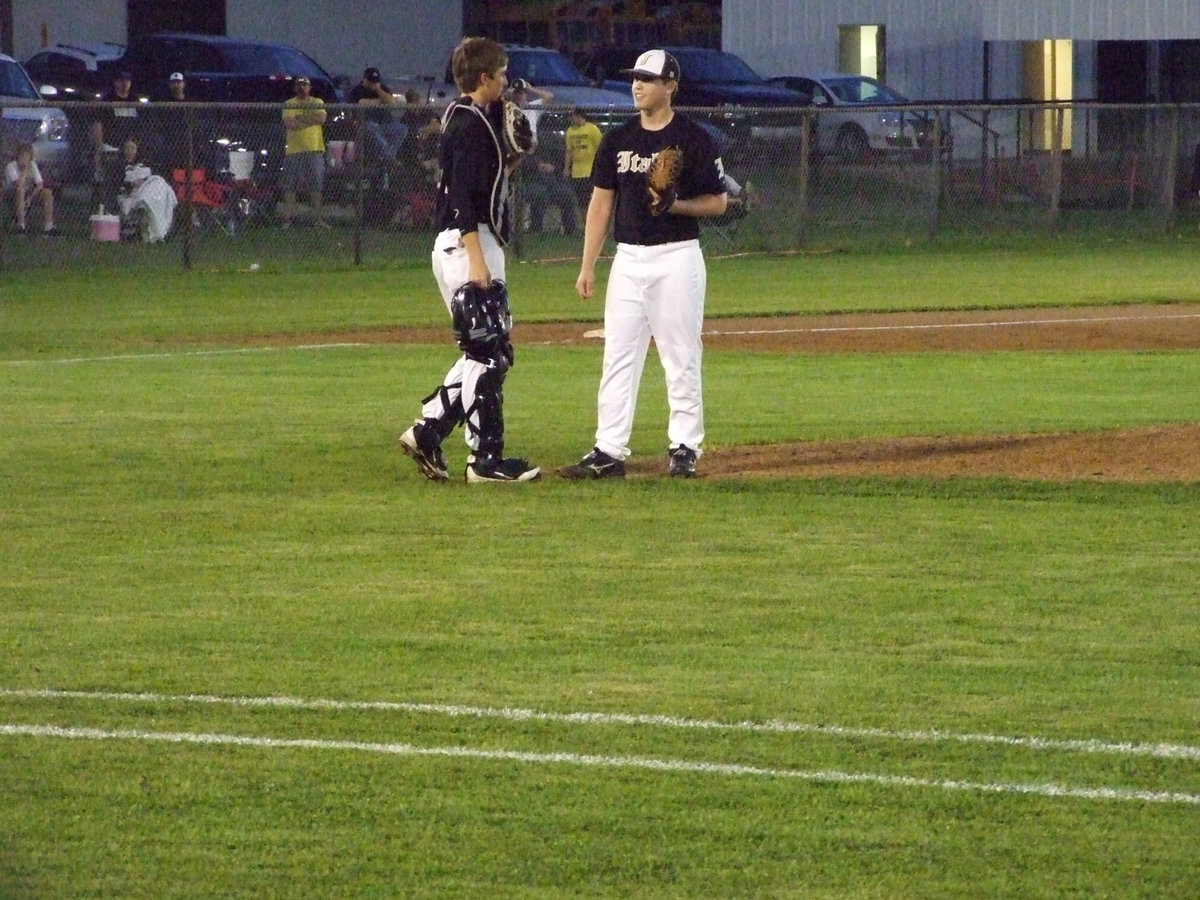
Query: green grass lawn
x=812 y=688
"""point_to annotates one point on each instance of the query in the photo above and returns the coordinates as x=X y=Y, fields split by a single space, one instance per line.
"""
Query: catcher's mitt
x=661 y=178
x=518 y=136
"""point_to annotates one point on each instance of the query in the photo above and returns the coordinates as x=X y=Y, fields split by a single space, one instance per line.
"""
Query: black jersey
x=625 y=156
x=473 y=188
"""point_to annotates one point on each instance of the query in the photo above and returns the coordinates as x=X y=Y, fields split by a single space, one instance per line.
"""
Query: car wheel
x=851 y=144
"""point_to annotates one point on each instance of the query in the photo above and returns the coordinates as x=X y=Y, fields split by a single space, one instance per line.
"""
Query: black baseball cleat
x=682 y=462
x=420 y=442
x=486 y=468
x=596 y=464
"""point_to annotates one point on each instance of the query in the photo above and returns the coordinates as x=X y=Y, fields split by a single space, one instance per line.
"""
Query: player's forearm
x=702 y=207
x=595 y=229
x=477 y=269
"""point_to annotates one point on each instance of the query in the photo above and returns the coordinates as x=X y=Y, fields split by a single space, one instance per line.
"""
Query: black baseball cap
x=122 y=75
x=655 y=64
x=372 y=74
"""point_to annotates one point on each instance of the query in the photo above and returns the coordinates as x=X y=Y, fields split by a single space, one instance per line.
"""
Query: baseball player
x=468 y=263
x=655 y=176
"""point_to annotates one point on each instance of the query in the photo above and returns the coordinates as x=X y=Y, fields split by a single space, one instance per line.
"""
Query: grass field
x=247 y=651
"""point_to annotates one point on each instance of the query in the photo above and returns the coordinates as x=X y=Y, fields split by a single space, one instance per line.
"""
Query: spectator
x=417 y=166
x=385 y=133
x=171 y=149
x=540 y=185
x=304 y=154
x=176 y=88
x=422 y=131
x=544 y=187
x=583 y=139
x=530 y=98
x=23 y=184
x=111 y=129
x=146 y=201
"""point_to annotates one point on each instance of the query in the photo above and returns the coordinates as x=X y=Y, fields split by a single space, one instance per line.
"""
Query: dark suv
x=222 y=69
x=230 y=70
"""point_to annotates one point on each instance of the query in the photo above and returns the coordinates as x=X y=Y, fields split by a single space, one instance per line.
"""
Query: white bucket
x=106 y=228
x=241 y=164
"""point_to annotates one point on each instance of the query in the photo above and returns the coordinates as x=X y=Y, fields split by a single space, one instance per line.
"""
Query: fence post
x=1056 y=166
x=1171 y=174
x=359 y=173
x=802 y=188
x=935 y=176
x=188 y=207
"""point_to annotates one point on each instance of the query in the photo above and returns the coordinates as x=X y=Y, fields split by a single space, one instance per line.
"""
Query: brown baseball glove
x=661 y=178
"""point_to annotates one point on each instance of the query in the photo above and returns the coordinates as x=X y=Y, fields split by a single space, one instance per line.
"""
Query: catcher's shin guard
x=488 y=410
x=451 y=415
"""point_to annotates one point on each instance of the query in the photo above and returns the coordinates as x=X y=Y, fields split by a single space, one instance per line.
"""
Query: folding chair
x=207 y=197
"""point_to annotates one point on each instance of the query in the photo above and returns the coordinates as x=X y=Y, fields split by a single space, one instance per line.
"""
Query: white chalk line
x=832 y=329
x=934 y=326
x=182 y=354
x=932 y=736
x=830 y=776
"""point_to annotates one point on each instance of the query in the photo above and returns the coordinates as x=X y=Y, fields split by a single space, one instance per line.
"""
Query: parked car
x=80 y=71
x=232 y=70
x=223 y=69
x=851 y=133
x=711 y=78
x=549 y=70
x=33 y=121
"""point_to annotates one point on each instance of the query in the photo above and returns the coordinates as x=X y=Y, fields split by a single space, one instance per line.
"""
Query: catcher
x=482 y=140
x=654 y=176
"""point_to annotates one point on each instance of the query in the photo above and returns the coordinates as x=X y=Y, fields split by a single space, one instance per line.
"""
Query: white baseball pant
x=654 y=292
x=450 y=268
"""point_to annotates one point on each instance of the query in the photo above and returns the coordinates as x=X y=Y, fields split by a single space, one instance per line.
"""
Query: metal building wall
x=935 y=47
x=1090 y=20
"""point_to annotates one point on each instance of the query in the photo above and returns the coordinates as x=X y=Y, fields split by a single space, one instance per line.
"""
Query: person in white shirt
x=23 y=182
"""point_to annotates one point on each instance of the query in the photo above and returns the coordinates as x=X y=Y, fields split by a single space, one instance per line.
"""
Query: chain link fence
x=211 y=189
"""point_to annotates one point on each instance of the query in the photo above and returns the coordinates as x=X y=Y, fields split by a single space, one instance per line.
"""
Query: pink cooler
x=106 y=228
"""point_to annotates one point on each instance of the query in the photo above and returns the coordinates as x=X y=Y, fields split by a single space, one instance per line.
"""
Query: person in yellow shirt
x=583 y=138
x=304 y=153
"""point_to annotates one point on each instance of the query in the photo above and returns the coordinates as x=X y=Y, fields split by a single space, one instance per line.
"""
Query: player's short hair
x=473 y=58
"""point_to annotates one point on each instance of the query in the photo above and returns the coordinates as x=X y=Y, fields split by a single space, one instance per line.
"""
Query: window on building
x=861 y=51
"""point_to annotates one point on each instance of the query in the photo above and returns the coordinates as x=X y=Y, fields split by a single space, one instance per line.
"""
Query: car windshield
x=715 y=68
x=255 y=59
x=543 y=67
x=14 y=82
x=862 y=90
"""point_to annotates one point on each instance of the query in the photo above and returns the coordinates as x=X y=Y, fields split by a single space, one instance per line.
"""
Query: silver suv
x=25 y=117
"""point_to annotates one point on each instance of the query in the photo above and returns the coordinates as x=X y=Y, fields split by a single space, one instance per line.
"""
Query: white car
x=27 y=118
x=851 y=134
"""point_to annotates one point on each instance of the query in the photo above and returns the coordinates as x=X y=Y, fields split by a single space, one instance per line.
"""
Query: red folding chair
x=207 y=197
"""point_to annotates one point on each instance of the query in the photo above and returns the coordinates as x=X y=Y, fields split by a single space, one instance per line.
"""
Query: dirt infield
x=1167 y=454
